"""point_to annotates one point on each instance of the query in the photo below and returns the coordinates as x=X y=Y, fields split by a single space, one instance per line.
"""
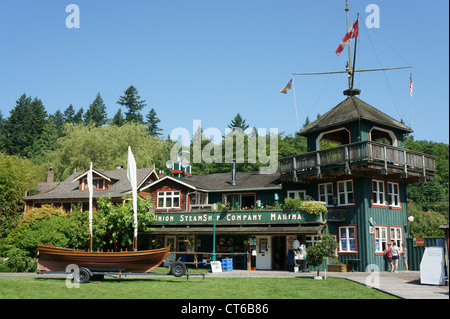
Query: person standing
x=388 y=253
x=404 y=253
x=395 y=255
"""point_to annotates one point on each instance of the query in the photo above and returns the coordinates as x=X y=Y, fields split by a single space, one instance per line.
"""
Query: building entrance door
x=263 y=252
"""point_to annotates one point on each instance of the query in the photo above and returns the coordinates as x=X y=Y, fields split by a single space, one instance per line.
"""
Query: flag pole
x=411 y=101
x=91 y=191
x=295 y=103
x=354 y=57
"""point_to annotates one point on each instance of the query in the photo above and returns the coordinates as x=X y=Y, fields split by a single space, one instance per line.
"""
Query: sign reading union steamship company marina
x=244 y=217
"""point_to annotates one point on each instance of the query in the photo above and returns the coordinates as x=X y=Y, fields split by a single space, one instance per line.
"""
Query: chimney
x=119 y=167
x=50 y=175
x=233 y=173
x=161 y=173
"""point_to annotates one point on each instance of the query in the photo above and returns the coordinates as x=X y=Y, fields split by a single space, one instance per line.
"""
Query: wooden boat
x=52 y=258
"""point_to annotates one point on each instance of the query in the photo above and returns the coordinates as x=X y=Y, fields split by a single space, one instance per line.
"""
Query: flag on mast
x=131 y=174
x=91 y=193
x=287 y=87
x=352 y=33
x=410 y=84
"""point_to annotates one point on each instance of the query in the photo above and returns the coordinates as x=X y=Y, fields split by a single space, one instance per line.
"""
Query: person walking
x=404 y=253
x=395 y=255
x=388 y=253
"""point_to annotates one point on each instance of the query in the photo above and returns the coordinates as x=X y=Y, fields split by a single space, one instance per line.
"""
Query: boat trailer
x=84 y=274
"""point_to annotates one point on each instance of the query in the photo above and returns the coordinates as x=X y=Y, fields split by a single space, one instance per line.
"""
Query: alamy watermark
x=262 y=146
x=73 y=19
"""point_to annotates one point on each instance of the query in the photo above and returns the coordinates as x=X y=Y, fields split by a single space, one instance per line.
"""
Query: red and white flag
x=410 y=84
x=352 y=33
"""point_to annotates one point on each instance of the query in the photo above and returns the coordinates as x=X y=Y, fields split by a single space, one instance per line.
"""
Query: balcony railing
x=367 y=151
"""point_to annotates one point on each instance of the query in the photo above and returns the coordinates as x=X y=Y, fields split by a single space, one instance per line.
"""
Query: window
x=97 y=183
x=394 y=194
x=295 y=194
x=345 y=193
x=378 y=192
x=312 y=240
x=169 y=199
x=237 y=200
x=396 y=235
x=326 y=193
x=347 y=239
x=380 y=238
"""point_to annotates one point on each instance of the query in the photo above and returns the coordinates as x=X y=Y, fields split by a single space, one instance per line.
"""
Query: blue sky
x=210 y=59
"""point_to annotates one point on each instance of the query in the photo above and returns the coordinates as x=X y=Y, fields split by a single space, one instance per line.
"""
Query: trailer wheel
x=178 y=269
x=83 y=276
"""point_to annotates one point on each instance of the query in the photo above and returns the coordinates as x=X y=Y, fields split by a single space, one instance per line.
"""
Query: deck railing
x=355 y=152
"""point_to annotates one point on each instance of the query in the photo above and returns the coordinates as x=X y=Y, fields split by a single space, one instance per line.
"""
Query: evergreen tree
x=69 y=114
x=238 y=122
x=307 y=122
x=118 y=119
x=78 y=118
x=152 y=121
x=131 y=101
x=96 y=113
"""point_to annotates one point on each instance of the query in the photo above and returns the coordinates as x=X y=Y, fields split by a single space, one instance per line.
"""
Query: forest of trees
x=32 y=140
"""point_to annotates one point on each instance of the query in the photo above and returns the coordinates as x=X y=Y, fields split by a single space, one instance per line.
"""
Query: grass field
x=177 y=288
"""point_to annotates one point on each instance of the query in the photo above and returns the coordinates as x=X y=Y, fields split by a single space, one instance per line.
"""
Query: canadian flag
x=352 y=33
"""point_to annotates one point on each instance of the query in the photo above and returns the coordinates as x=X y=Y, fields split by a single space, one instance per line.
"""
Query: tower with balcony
x=357 y=165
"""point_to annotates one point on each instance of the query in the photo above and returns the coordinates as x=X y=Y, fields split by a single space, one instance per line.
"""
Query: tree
x=106 y=147
x=315 y=255
x=17 y=177
x=238 y=122
x=120 y=221
x=118 y=119
x=152 y=121
x=96 y=113
x=24 y=127
x=131 y=101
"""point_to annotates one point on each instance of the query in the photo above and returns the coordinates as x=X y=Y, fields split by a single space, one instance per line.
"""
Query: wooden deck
x=360 y=159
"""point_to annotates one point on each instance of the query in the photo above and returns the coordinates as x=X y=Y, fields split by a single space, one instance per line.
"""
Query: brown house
x=74 y=190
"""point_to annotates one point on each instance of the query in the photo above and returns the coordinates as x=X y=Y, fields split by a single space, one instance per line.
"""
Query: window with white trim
x=345 y=192
x=396 y=235
x=326 y=193
x=347 y=239
x=97 y=183
x=169 y=199
x=380 y=238
x=378 y=192
x=295 y=194
x=311 y=240
x=393 y=194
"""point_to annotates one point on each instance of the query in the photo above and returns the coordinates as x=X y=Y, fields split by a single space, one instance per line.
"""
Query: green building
x=361 y=177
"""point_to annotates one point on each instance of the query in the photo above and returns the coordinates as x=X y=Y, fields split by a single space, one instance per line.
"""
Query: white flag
x=91 y=193
x=131 y=174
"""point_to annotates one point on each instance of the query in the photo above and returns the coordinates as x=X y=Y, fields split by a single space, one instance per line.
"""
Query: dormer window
x=97 y=183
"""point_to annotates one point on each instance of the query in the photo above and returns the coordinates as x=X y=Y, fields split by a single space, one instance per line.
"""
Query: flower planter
x=339 y=267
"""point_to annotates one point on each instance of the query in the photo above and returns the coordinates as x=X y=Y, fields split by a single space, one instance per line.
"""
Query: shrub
x=313 y=208
x=17 y=260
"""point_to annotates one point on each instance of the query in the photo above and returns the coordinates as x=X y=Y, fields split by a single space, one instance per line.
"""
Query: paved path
x=402 y=285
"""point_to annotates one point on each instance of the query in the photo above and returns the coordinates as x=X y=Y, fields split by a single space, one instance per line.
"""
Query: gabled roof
x=221 y=182
x=69 y=188
x=350 y=110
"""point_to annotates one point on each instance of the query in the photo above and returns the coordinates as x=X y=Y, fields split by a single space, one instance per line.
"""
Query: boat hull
x=51 y=258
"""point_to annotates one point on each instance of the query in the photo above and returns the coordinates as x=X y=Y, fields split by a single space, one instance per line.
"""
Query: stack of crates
x=227 y=264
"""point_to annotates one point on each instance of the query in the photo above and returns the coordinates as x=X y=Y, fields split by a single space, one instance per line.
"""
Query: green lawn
x=177 y=288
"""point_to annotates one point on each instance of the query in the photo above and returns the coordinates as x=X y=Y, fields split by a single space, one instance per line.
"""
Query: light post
x=213 y=257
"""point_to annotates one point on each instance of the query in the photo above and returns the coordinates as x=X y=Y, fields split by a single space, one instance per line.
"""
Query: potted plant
x=315 y=255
